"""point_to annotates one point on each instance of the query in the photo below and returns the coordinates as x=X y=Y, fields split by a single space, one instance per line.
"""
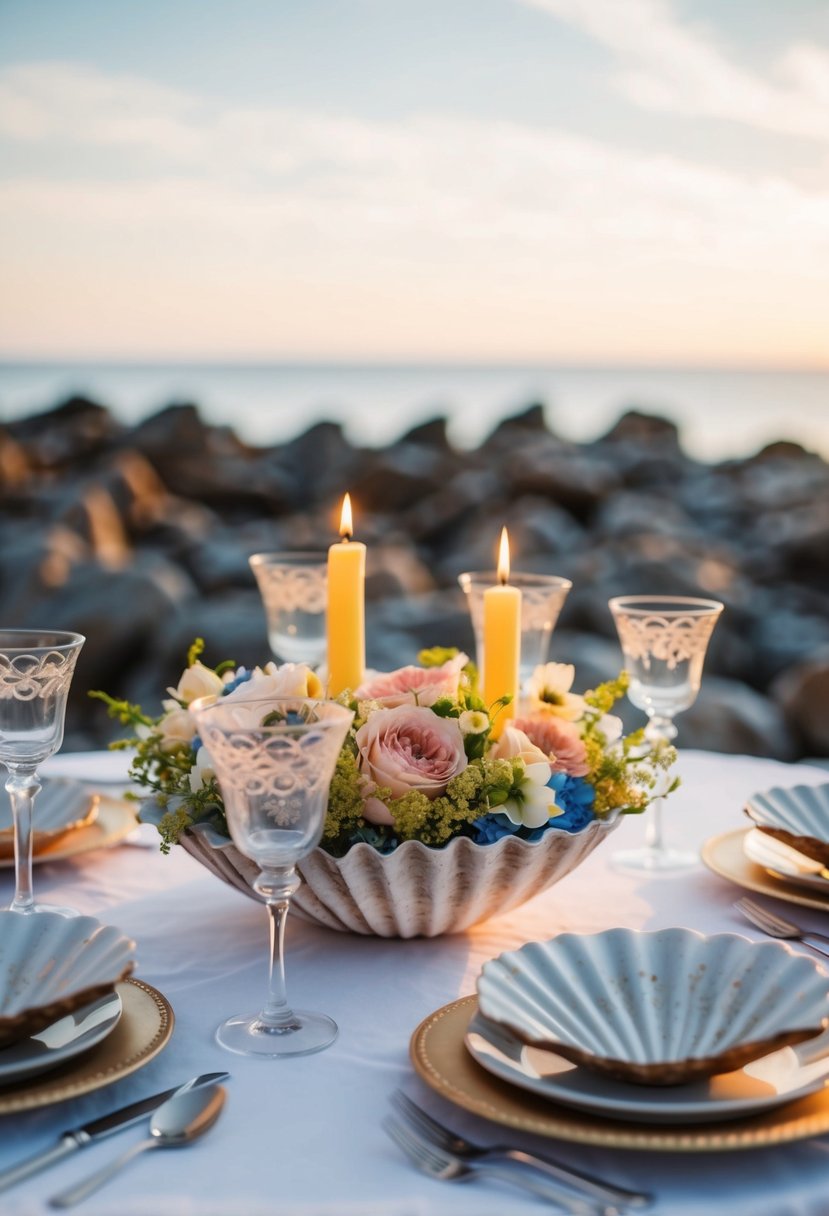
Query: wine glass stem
x=22 y=786
x=659 y=730
x=277 y=886
x=653 y=826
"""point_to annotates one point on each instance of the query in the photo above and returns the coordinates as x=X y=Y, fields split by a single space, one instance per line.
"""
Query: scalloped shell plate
x=660 y=1008
x=798 y=816
x=61 y=806
x=52 y=964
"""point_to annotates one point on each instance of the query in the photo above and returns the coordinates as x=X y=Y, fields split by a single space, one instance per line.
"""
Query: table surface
x=303 y=1136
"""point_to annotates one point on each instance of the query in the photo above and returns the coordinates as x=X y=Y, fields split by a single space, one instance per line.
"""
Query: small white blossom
x=202 y=770
x=537 y=803
x=473 y=722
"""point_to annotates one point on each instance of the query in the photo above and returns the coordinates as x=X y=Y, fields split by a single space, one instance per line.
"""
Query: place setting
x=72 y=1016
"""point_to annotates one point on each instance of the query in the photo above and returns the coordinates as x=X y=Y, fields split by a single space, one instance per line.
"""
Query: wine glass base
x=653 y=861
x=250 y=1036
x=46 y=909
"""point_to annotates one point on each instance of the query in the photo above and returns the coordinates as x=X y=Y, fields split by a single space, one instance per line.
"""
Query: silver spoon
x=177 y=1121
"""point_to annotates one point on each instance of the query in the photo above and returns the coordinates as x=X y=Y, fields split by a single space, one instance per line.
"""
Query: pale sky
x=576 y=180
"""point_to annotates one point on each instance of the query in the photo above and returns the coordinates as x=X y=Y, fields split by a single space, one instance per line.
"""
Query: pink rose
x=408 y=748
x=414 y=685
x=560 y=740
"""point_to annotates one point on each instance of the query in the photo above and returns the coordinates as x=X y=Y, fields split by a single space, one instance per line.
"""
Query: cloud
x=252 y=229
x=665 y=64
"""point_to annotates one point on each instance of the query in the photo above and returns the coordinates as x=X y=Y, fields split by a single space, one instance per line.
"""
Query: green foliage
x=195 y=652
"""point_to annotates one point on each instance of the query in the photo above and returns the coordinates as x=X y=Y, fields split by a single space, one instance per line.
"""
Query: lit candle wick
x=346 y=523
x=503 y=558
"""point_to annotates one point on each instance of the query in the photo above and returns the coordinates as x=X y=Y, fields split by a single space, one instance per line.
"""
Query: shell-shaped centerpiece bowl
x=660 y=1008
x=414 y=891
x=52 y=964
x=799 y=816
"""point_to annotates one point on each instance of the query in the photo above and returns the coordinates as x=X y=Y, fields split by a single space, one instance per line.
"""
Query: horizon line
x=407 y=363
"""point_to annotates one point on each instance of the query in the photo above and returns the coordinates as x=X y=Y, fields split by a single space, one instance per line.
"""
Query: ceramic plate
x=656 y=1008
x=802 y=811
x=143 y=1030
x=443 y=1062
x=725 y=855
x=61 y=806
x=782 y=861
x=51 y=965
x=115 y=820
x=31 y=1056
x=778 y=1078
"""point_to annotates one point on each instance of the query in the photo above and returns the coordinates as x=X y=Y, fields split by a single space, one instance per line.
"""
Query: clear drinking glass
x=274 y=759
x=293 y=587
x=542 y=598
x=664 y=641
x=36 y=668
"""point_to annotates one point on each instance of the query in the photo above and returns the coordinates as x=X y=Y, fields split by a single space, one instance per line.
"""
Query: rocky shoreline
x=139 y=538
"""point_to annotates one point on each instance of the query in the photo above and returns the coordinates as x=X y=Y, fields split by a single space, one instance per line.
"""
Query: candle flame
x=503 y=558
x=346 y=523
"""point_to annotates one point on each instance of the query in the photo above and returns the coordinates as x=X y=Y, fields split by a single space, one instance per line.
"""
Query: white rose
x=289 y=680
x=197 y=681
x=514 y=744
x=176 y=728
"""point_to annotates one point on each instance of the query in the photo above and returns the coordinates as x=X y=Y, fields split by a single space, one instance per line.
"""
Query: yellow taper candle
x=502 y=640
x=346 y=608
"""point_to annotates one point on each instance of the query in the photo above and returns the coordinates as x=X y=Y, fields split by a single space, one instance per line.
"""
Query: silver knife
x=98 y=1129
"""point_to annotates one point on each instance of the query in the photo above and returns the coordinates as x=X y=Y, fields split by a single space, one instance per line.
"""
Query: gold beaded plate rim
x=724 y=855
x=440 y=1058
x=142 y=1031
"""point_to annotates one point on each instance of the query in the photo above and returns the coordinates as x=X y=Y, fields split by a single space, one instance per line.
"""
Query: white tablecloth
x=303 y=1136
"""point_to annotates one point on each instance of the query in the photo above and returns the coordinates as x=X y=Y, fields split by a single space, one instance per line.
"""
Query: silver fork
x=775 y=926
x=466 y=1150
x=443 y=1165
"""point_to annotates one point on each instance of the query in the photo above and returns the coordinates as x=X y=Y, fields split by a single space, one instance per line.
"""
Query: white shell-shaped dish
x=657 y=1008
x=780 y=1077
x=61 y=806
x=801 y=811
x=52 y=964
x=781 y=860
x=414 y=891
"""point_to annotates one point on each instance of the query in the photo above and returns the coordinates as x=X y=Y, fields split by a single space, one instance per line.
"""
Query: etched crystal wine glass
x=664 y=641
x=293 y=587
x=274 y=759
x=36 y=668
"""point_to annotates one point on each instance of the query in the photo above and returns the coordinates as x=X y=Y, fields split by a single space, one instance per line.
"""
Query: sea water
x=721 y=413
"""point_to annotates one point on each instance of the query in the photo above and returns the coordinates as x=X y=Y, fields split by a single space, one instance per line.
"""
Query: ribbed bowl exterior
x=415 y=891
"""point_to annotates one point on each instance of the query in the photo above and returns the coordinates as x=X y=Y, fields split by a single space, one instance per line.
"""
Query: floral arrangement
x=421 y=760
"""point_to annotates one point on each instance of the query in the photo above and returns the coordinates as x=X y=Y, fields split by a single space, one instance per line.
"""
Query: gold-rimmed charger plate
x=725 y=855
x=439 y=1056
x=115 y=820
x=143 y=1029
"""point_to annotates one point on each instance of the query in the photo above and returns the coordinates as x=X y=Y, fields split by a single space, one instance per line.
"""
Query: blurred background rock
x=139 y=537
